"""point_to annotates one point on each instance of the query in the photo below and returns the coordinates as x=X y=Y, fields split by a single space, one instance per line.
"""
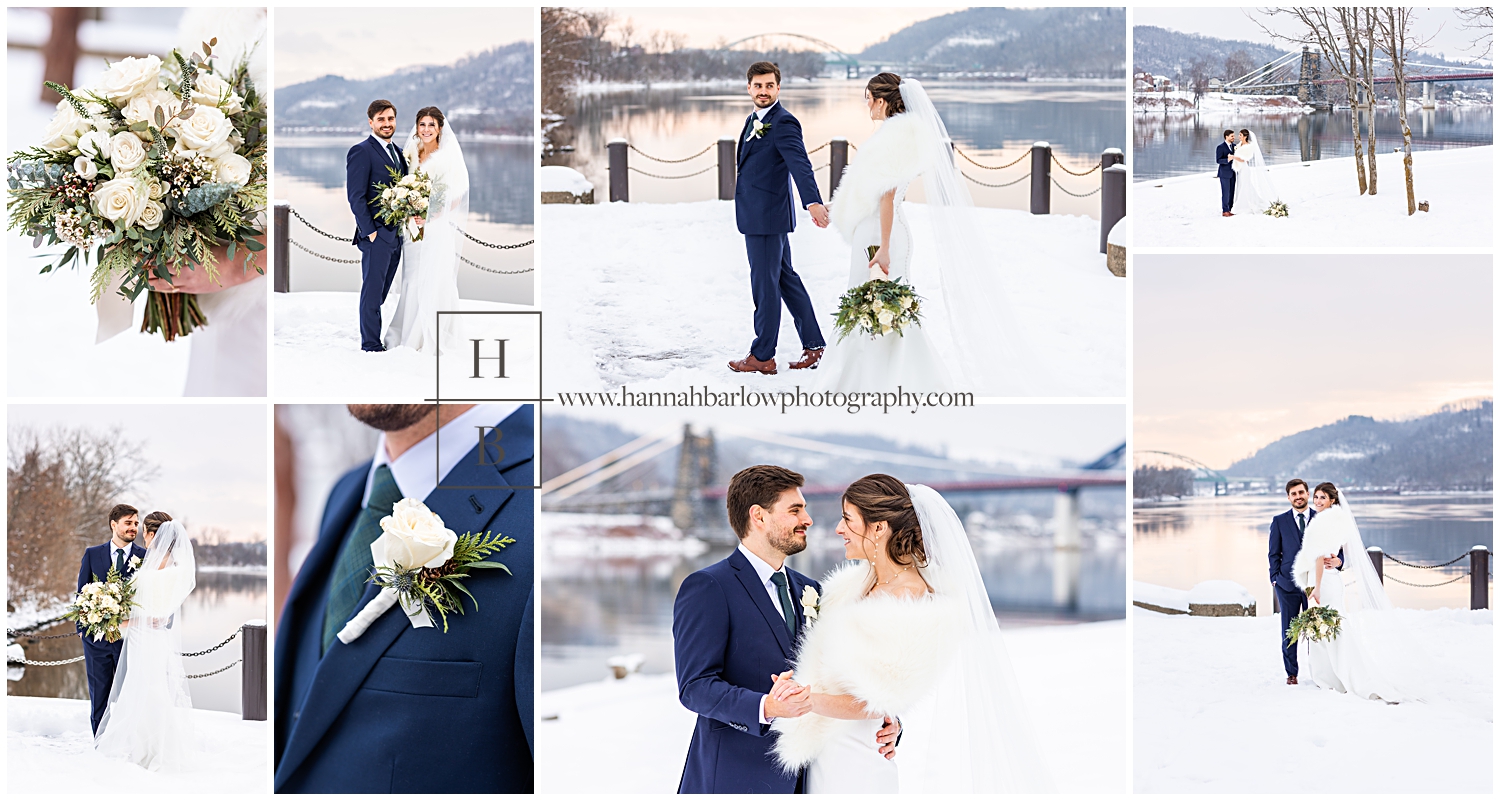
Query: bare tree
x=1361 y=33
x=1198 y=73
x=1238 y=63
x=1482 y=20
x=1394 y=26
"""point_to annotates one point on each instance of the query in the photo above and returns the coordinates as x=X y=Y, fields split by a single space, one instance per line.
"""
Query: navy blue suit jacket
x=365 y=168
x=416 y=710
x=767 y=168
x=729 y=639
x=95 y=566
x=1221 y=155
x=1286 y=541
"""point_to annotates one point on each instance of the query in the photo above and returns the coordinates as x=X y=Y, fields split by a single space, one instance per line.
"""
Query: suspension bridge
x=1305 y=76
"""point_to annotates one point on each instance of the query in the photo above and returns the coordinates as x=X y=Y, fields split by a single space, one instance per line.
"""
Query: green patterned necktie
x=788 y=615
x=352 y=570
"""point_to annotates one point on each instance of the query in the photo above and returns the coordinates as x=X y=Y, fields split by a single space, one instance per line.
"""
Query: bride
x=429 y=266
x=987 y=351
x=1253 y=190
x=148 y=720
x=1365 y=659
x=907 y=631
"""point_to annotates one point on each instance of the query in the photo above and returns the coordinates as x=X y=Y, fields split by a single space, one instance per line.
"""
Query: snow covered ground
x=1327 y=210
x=316 y=351
x=657 y=296
x=1217 y=103
x=49 y=750
x=632 y=736
x=1213 y=713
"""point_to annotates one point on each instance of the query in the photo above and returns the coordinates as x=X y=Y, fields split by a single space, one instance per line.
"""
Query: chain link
x=305 y=249
x=496 y=272
x=819 y=147
x=36 y=637
x=216 y=672
x=974 y=180
x=496 y=247
x=969 y=159
x=226 y=641
x=676 y=177
x=673 y=161
x=1065 y=169
x=1459 y=577
x=39 y=663
x=1072 y=194
x=348 y=240
x=1454 y=560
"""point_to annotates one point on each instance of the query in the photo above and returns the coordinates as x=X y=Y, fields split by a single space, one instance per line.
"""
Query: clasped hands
x=788 y=699
x=819 y=214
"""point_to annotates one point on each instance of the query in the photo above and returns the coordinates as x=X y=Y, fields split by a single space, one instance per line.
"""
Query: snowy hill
x=1161 y=51
x=1044 y=42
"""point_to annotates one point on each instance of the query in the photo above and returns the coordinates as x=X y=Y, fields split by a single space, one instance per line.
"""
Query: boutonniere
x=810 y=601
x=759 y=129
x=135 y=562
x=421 y=564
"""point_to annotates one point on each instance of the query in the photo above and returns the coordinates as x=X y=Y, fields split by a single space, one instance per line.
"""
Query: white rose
x=142 y=107
x=84 y=166
x=129 y=77
x=906 y=302
x=885 y=317
x=94 y=144
x=207 y=132
x=413 y=538
x=421 y=203
x=155 y=190
x=402 y=192
x=233 y=169
x=209 y=89
x=126 y=152
x=64 y=127
x=121 y=200
x=408 y=180
x=387 y=193
x=152 y=215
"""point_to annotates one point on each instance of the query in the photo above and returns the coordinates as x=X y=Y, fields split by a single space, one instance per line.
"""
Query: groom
x=366 y=167
x=121 y=553
x=1286 y=539
x=735 y=628
x=771 y=157
x=403 y=709
x=1226 y=172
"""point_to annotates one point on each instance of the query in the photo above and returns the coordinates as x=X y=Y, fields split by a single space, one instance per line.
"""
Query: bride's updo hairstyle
x=887 y=86
x=154 y=520
x=880 y=497
x=1327 y=488
x=1245 y=132
x=437 y=116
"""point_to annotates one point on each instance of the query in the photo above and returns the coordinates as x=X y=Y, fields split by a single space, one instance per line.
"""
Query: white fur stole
x=1326 y=533
x=890 y=159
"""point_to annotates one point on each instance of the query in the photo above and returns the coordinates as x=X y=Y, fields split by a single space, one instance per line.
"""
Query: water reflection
x=1183 y=144
x=993 y=122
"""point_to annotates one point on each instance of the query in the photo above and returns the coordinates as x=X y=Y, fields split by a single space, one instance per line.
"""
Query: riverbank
x=656 y=296
x=1073 y=677
x=1213 y=713
x=1326 y=208
x=49 y=750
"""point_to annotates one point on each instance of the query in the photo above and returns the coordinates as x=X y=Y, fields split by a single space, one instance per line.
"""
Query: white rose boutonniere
x=421 y=564
x=759 y=129
x=810 y=602
x=135 y=562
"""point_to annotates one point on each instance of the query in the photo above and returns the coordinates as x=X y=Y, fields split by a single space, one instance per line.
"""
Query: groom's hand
x=1332 y=562
x=372 y=235
x=887 y=737
x=819 y=214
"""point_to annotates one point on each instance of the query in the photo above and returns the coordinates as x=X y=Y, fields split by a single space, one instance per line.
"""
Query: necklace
x=898 y=575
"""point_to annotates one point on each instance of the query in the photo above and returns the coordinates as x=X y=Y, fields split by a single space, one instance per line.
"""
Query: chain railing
x=1455 y=579
x=646 y=155
x=1478 y=574
x=709 y=168
x=978 y=182
x=1455 y=560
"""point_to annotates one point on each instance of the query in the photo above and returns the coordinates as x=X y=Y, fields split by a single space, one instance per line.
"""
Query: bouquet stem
x=174 y=314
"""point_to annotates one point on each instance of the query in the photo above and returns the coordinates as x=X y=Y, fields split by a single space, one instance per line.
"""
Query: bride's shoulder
x=847 y=582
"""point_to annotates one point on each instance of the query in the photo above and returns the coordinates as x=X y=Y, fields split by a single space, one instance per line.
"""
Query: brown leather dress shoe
x=1227 y=214
x=750 y=364
x=809 y=360
x=1291 y=679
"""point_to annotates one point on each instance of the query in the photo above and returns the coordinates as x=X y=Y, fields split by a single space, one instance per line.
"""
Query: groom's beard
x=789 y=542
x=390 y=416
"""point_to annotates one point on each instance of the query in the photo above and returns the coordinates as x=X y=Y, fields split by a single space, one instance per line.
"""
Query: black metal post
x=253 y=671
x=1112 y=204
x=1041 y=178
x=726 y=168
x=1479 y=577
x=1377 y=557
x=619 y=171
x=281 y=257
x=838 y=159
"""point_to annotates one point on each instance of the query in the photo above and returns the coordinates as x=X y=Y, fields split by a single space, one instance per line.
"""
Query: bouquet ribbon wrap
x=378 y=606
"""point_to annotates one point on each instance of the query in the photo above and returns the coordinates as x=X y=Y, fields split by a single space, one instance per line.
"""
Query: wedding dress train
x=1253 y=190
x=429 y=266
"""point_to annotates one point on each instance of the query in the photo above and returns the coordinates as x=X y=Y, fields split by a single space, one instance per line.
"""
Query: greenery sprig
x=438 y=588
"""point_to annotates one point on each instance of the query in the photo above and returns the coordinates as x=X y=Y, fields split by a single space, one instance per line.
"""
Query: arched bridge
x=832 y=54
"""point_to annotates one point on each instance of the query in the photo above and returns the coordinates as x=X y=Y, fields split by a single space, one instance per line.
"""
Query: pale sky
x=849 y=29
x=211 y=458
x=1036 y=434
x=1441 y=24
x=1235 y=352
x=361 y=43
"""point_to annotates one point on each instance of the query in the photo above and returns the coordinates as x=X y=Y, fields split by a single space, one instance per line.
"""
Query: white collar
x=1306 y=510
x=382 y=142
x=760 y=113
x=414 y=471
x=762 y=568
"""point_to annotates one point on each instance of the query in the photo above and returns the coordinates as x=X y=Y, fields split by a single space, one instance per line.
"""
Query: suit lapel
x=750 y=580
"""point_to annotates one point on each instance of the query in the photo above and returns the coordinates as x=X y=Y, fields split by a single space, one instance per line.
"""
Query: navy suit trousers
x=772 y=282
x=1226 y=191
x=1292 y=603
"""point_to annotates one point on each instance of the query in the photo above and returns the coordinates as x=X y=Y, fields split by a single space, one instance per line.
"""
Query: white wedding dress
x=429 y=267
x=1253 y=190
x=149 y=717
x=937 y=662
x=1366 y=659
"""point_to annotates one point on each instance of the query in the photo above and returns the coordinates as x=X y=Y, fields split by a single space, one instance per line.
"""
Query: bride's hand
x=883 y=259
x=785 y=687
x=195 y=280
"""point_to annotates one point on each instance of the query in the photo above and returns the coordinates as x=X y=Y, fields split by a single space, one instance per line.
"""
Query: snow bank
x=1327 y=210
x=562 y=179
x=1218 y=103
x=49 y=749
x=317 y=349
x=1073 y=677
x=1213 y=713
x=1219 y=591
x=657 y=296
x=1159 y=596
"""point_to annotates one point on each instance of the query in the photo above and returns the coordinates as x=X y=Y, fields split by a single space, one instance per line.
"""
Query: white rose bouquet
x=1316 y=624
x=404 y=198
x=148 y=173
x=878 y=307
x=422 y=565
x=101 y=606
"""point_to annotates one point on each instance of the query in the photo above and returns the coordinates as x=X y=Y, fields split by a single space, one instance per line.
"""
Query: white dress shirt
x=765 y=571
x=114 y=554
x=760 y=116
x=415 y=470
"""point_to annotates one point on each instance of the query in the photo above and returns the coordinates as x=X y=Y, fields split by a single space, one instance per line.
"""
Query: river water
x=994 y=122
x=595 y=608
x=1180 y=543
x=1167 y=145
x=309 y=174
x=220 y=604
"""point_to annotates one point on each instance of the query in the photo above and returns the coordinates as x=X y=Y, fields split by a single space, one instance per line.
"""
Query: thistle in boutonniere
x=421 y=564
x=759 y=129
x=811 y=603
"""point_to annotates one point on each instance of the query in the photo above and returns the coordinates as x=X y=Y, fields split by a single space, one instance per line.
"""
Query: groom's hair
x=154 y=520
x=378 y=106
x=1226 y=135
x=1294 y=482
x=763 y=68
x=122 y=510
x=759 y=486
